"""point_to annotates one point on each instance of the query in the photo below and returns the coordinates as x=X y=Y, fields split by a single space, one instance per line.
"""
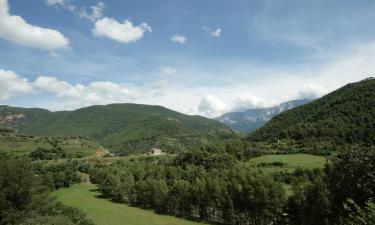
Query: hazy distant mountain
x=253 y=119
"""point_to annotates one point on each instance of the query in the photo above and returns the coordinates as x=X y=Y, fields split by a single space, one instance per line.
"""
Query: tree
x=310 y=203
x=16 y=182
x=358 y=215
x=352 y=176
x=109 y=185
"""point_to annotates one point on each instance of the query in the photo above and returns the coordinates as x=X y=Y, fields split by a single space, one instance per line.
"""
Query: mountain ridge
x=124 y=127
x=252 y=119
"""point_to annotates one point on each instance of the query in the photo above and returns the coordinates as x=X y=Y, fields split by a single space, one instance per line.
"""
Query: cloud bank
x=85 y=95
x=11 y=85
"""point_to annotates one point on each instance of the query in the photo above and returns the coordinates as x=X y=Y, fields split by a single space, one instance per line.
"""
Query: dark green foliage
x=57 y=175
x=192 y=184
x=344 y=117
x=271 y=164
x=208 y=185
x=310 y=202
x=352 y=176
x=358 y=215
x=125 y=128
x=24 y=199
x=16 y=179
x=48 y=154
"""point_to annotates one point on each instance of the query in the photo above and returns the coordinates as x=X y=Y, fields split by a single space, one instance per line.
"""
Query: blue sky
x=198 y=57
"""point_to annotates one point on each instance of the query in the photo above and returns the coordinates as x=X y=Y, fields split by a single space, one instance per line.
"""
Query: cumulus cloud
x=211 y=106
x=61 y=88
x=213 y=33
x=15 y=29
x=179 y=39
x=84 y=95
x=216 y=33
x=124 y=32
x=55 y=2
x=11 y=84
x=95 y=14
x=168 y=70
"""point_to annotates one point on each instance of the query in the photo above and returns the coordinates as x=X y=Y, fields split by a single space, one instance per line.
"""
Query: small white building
x=156 y=151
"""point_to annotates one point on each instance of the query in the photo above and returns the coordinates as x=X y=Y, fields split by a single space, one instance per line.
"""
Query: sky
x=203 y=57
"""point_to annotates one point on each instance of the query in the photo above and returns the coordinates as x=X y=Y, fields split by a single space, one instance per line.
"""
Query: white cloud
x=179 y=39
x=55 y=2
x=61 y=88
x=17 y=30
x=211 y=106
x=213 y=33
x=11 y=84
x=168 y=70
x=122 y=32
x=311 y=91
x=85 y=95
x=216 y=33
x=246 y=101
x=96 y=12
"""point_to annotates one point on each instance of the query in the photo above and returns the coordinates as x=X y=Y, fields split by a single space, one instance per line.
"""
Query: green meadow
x=290 y=162
x=105 y=212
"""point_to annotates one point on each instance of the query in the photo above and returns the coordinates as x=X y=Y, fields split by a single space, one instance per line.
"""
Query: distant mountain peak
x=252 y=119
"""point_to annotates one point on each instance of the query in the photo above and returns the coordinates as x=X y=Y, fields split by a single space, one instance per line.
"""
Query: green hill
x=343 y=117
x=14 y=144
x=120 y=127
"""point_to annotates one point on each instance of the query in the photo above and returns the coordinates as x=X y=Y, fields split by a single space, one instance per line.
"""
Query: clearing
x=104 y=212
x=291 y=161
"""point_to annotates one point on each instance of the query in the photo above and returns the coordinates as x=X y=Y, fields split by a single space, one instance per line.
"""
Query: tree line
x=214 y=187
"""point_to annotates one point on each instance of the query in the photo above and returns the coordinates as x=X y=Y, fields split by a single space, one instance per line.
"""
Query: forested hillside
x=124 y=128
x=345 y=116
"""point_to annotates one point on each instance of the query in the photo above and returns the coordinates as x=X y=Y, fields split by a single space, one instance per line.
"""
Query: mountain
x=343 y=117
x=124 y=128
x=253 y=119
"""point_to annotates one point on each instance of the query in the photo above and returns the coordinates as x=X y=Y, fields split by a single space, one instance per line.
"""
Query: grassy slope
x=344 y=116
x=22 y=144
x=105 y=212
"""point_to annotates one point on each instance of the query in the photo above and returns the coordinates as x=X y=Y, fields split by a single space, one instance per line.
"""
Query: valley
x=149 y=165
x=187 y=112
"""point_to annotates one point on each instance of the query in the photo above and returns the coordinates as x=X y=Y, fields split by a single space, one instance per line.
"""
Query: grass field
x=105 y=212
x=291 y=161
